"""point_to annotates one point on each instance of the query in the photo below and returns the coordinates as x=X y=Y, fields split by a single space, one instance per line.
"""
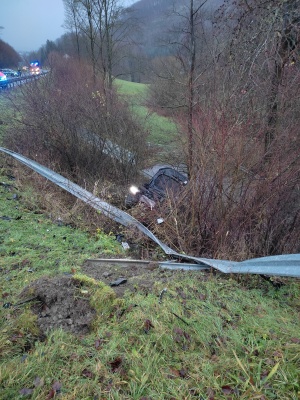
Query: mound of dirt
x=59 y=303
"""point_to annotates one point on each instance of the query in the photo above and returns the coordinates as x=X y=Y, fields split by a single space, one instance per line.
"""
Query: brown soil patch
x=59 y=303
x=137 y=277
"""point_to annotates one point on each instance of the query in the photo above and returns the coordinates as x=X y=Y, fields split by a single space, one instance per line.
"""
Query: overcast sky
x=28 y=24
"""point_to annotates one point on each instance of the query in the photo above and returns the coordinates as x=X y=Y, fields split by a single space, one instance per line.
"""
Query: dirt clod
x=59 y=302
x=59 y=305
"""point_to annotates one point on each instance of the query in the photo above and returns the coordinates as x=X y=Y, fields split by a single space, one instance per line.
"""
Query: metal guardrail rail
x=17 y=81
x=282 y=265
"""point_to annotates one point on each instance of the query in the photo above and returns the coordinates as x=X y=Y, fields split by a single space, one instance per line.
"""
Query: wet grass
x=209 y=336
x=5 y=114
x=162 y=130
x=31 y=244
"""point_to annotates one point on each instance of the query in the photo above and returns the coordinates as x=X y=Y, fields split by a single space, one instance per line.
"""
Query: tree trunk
x=192 y=57
x=286 y=44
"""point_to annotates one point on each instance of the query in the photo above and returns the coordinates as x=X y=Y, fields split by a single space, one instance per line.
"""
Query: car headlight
x=134 y=190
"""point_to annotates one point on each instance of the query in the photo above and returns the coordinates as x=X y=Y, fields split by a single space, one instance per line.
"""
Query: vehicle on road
x=34 y=68
x=165 y=180
x=3 y=80
x=9 y=73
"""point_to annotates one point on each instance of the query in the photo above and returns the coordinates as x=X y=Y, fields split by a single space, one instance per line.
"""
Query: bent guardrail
x=281 y=265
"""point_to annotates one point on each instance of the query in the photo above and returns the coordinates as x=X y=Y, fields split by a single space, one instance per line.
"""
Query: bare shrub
x=242 y=130
x=42 y=196
x=236 y=205
x=168 y=86
x=68 y=122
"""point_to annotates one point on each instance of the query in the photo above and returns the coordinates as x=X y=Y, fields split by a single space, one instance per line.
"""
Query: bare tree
x=193 y=17
x=104 y=25
x=71 y=21
x=264 y=44
x=241 y=119
x=286 y=45
x=184 y=68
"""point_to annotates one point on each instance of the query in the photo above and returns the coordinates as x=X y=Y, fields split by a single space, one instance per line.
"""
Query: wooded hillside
x=8 y=56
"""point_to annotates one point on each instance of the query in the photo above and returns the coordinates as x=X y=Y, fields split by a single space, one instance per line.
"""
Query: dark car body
x=166 y=180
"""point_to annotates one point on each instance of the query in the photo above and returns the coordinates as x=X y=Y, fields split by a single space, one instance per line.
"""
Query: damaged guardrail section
x=281 y=265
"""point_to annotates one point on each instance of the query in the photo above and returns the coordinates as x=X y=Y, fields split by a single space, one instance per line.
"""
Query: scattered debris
x=118 y=282
x=181 y=319
x=125 y=246
x=6 y=218
x=148 y=325
x=161 y=295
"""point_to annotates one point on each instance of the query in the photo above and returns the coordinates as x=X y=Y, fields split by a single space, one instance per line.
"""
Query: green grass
x=162 y=130
x=131 y=88
x=31 y=245
x=211 y=336
x=6 y=114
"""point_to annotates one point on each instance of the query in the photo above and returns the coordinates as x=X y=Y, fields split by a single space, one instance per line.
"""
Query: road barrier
x=19 y=80
x=280 y=265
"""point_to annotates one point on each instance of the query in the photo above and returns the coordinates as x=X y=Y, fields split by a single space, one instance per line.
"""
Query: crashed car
x=166 y=180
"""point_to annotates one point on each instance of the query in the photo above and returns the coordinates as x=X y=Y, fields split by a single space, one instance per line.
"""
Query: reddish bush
x=237 y=205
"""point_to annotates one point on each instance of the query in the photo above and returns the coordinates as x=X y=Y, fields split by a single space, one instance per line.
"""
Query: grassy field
x=162 y=130
x=131 y=88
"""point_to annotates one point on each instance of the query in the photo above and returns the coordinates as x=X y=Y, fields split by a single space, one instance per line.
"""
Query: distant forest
x=148 y=28
x=8 y=56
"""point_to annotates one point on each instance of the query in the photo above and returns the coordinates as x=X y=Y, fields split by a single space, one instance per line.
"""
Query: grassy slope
x=211 y=337
x=210 y=334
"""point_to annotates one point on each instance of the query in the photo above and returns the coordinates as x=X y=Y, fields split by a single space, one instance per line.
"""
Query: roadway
x=19 y=80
